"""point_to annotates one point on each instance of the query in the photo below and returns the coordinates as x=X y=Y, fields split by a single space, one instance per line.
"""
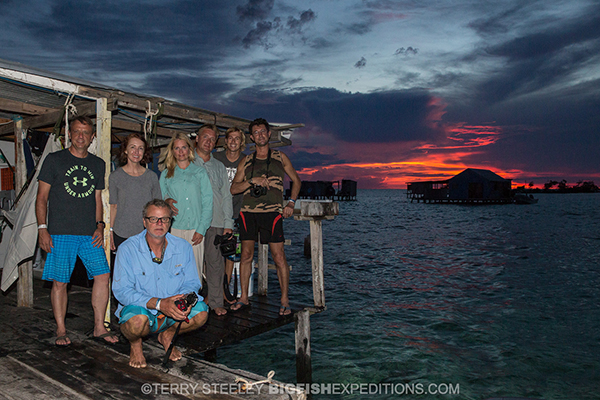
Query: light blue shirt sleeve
x=124 y=282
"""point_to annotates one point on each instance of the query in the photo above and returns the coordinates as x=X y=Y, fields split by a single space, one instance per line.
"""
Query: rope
x=69 y=107
x=148 y=121
x=247 y=385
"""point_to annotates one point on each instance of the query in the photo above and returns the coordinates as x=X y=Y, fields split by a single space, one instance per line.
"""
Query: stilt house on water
x=321 y=190
x=471 y=186
x=35 y=102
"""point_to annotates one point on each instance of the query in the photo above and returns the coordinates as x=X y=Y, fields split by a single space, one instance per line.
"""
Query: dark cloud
x=166 y=35
x=255 y=10
x=540 y=59
x=320 y=43
x=500 y=22
x=258 y=35
x=359 y=28
x=305 y=17
x=407 y=51
x=383 y=5
x=302 y=159
x=361 y=63
x=380 y=117
x=196 y=91
x=267 y=33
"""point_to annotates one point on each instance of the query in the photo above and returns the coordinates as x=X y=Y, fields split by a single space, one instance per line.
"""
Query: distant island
x=562 y=187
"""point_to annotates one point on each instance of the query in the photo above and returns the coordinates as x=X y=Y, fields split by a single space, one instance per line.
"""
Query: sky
x=389 y=91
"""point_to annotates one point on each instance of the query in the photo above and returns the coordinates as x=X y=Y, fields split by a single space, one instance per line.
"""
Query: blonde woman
x=186 y=188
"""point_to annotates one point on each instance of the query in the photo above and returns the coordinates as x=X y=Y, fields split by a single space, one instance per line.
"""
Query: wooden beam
x=316 y=254
x=263 y=269
x=19 y=107
x=303 y=356
x=132 y=126
x=25 y=281
x=175 y=110
x=49 y=119
x=316 y=212
x=103 y=138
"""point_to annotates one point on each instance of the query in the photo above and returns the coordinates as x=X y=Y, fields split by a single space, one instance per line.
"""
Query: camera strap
x=254 y=162
x=165 y=362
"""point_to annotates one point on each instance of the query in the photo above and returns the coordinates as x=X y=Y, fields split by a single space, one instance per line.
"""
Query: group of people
x=163 y=230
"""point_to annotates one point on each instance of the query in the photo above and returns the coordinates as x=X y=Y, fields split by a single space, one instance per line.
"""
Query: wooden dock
x=32 y=367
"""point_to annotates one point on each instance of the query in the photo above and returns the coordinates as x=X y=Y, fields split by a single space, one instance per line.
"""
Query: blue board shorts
x=155 y=321
x=60 y=262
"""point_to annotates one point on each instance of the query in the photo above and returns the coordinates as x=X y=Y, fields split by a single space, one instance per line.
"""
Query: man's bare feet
x=220 y=311
x=136 y=356
x=165 y=339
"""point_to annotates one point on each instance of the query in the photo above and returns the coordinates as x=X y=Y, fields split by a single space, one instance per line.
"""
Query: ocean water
x=492 y=301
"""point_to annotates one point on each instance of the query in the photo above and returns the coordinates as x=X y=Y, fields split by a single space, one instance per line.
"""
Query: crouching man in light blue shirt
x=153 y=270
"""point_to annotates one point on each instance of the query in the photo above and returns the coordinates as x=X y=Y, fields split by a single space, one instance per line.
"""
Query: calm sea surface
x=501 y=300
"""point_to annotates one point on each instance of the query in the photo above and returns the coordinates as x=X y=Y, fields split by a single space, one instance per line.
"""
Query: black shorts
x=270 y=226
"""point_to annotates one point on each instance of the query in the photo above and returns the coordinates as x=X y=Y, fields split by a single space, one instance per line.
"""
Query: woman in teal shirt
x=186 y=188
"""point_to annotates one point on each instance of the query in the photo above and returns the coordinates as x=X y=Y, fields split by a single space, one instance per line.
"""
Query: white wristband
x=157 y=307
x=42 y=226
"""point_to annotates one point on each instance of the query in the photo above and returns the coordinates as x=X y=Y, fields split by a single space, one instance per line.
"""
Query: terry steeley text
x=443 y=389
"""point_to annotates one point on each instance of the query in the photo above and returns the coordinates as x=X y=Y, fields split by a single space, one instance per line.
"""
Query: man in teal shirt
x=222 y=218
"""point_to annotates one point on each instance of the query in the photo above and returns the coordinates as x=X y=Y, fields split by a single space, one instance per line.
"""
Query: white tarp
x=23 y=240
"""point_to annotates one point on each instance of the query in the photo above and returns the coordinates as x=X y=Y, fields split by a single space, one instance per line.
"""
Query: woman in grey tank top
x=131 y=186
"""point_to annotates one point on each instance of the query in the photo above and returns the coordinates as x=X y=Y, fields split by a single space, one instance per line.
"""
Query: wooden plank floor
x=262 y=316
x=31 y=367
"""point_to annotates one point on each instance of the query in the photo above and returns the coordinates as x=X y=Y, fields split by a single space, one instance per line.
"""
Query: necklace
x=157 y=260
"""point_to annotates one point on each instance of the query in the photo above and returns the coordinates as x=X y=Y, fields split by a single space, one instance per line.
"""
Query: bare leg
x=99 y=302
x=134 y=330
x=228 y=272
x=245 y=270
x=59 y=299
x=283 y=273
x=165 y=338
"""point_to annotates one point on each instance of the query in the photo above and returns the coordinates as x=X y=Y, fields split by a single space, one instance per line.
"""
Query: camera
x=227 y=244
x=188 y=301
x=258 y=191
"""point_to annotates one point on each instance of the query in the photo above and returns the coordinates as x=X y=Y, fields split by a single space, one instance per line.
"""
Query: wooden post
x=25 y=281
x=263 y=268
x=316 y=212
x=103 y=138
x=316 y=253
x=303 y=359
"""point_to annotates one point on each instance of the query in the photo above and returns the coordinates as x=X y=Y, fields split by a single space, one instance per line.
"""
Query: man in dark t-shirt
x=235 y=143
x=69 y=216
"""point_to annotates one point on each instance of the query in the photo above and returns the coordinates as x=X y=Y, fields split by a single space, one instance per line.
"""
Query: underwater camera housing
x=227 y=244
x=188 y=301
